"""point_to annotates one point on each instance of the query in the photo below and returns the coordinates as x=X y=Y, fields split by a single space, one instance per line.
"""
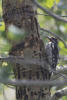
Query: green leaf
x=57 y=1
x=63 y=50
x=4 y=46
x=65 y=98
x=2 y=27
x=48 y=3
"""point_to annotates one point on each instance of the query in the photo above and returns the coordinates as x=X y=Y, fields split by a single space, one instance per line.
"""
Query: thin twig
x=9 y=86
x=52 y=33
x=59 y=74
x=49 y=15
x=62 y=70
x=49 y=12
x=59 y=94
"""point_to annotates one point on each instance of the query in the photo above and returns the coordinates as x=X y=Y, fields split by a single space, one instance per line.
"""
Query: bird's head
x=53 y=39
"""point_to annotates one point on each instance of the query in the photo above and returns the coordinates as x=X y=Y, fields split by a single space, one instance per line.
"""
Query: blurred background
x=8 y=38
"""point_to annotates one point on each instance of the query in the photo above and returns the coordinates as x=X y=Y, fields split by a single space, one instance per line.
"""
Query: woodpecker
x=52 y=52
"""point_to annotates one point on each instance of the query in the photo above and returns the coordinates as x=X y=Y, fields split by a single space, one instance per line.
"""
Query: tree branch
x=52 y=33
x=23 y=61
x=59 y=94
x=20 y=60
x=33 y=83
x=49 y=12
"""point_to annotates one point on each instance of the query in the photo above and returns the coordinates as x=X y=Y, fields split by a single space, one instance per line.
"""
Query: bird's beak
x=48 y=38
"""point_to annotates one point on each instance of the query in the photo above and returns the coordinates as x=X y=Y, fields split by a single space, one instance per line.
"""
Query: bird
x=52 y=52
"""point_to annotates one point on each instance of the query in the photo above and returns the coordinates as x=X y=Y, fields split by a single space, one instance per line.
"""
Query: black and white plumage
x=52 y=52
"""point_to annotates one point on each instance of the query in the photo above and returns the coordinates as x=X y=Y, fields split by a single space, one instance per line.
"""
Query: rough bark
x=21 y=13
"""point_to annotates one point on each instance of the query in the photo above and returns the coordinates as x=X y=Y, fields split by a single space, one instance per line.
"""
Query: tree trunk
x=21 y=13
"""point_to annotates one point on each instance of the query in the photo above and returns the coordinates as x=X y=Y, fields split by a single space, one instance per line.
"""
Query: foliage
x=65 y=98
x=57 y=6
x=48 y=3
